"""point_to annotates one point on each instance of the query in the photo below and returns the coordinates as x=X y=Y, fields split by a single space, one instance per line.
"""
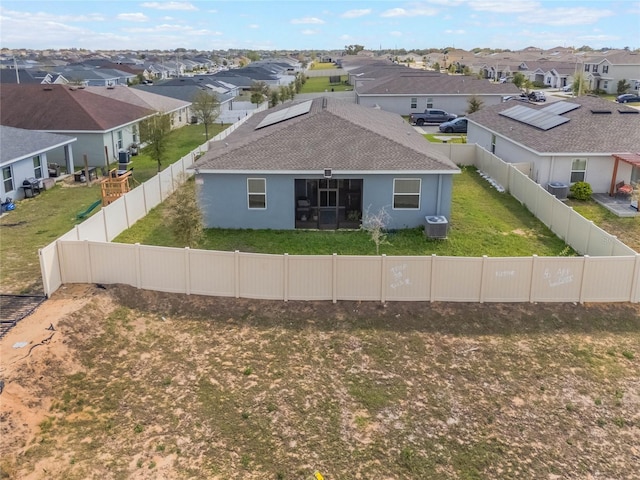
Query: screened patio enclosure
x=328 y=203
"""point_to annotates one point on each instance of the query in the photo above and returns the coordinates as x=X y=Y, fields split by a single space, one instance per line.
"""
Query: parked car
x=431 y=115
x=537 y=97
x=568 y=88
x=457 y=125
x=628 y=97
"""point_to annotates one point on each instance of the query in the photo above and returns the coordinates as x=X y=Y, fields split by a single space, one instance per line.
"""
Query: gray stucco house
x=565 y=141
x=322 y=163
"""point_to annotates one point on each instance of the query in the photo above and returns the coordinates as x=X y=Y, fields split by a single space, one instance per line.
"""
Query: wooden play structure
x=115 y=186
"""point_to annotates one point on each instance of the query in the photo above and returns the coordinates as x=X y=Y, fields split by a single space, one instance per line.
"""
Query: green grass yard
x=322 y=84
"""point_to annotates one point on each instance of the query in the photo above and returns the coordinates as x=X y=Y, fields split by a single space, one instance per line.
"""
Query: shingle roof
x=141 y=98
x=63 y=108
x=342 y=136
x=433 y=83
x=585 y=132
x=18 y=143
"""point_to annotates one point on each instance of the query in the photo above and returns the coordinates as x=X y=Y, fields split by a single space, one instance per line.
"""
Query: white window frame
x=429 y=102
x=407 y=194
x=414 y=102
x=578 y=171
x=9 y=179
x=37 y=166
x=256 y=193
x=120 y=139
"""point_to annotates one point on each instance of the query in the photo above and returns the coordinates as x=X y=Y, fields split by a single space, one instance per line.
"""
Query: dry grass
x=174 y=386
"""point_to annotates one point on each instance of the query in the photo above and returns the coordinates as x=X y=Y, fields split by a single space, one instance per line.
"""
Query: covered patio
x=621 y=199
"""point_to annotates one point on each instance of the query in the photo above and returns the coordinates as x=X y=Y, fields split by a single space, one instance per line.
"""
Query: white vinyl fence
x=608 y=271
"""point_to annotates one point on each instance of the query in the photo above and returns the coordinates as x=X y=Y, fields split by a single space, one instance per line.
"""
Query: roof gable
x=64 y=108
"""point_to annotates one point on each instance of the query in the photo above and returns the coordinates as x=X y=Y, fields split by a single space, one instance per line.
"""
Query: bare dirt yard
x=139 y=384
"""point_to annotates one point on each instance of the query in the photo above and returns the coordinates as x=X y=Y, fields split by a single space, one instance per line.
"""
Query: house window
x=578 y=170
x=429 y=102
x=605 y=69
x=257 y=193
x=7 y=179
x=414 y=102
x=37 y=166
x=586 y=67
x=134 y=134
x=595 y=69
x=493 y=144
x=406 y=193
x=605 y=85
x=120 y=142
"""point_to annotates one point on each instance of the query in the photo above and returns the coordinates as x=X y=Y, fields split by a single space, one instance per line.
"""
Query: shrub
x=581 y=191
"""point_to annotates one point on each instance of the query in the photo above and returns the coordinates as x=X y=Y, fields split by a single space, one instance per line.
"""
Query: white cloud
x=455 y=32
x=565 y=16
x=395 y=34
x=307 y=20
x=504 y=7
x=309 y=31
x=254 y=25
x=170 y=5
x=414 y=12
x=356 y=13
x=133 y=17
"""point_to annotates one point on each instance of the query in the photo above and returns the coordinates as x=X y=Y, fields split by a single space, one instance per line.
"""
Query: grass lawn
x=484 y=222
x=453 y=137
x=38 y=221
x=321 y=84
x=322 y=66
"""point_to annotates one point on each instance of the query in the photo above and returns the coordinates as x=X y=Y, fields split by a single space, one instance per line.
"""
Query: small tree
x=475 y=104
x=259 y=90
x=581 y=190
x=206 y=108
x=580 y=84
x=154 y=131
x=623 y=86
x=518 y=79
x=274 y=98
x=375 y=225
x=184 y=216
x=436 y=66
x=283 y=93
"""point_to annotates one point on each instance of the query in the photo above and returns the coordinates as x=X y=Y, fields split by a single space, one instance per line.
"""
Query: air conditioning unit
x=436 y=226
x=558 y=189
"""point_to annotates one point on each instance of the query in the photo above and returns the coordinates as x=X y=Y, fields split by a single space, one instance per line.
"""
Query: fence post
x=236 y=277
x=104 y=223
x=483 y=280
x=334 y=287
x=383 y=278
x=43 y=273
x=431 y=275
x=634 y=297
x=187 y=270
x=534 y=261
x=138 y=272
x=585 y=266
x=87 y=254
x=285 y=280
x=126 y=210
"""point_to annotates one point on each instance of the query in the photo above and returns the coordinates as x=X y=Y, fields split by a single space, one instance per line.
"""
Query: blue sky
x=325 y=25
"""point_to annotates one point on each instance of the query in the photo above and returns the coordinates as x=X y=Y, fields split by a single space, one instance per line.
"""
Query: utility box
x=558 y=189
x=436 y=226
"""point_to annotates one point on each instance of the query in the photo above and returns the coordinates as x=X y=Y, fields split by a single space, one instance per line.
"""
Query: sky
x=318 y=25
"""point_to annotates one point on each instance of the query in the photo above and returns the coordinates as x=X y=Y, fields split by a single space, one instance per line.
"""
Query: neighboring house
x=604 y=72
x=566 y=141
x=322 y=163
x=102 y=125
x=177 y=109
x=97 y=77
x=26 y=154
x=412 y=91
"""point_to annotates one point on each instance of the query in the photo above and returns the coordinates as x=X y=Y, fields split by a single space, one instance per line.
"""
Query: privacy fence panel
x=358 y=278
x=136 y=205
x=260 y=276
x=163 y=269
x=310 y=277
x=456 y=279
x=93 y=228
x=212 y=273
x=152 y=193
x=112 y=263
x=115 y=218
x=507 y=279
x=166 y=183
x=557 y=279
x=50 y=268
x=407 y=278
x=608 y=279
x=578 y=233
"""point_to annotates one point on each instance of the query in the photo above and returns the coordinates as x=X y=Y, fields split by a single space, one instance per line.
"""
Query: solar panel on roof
x=560 y=107
x=285 y=114
x=536 y=118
